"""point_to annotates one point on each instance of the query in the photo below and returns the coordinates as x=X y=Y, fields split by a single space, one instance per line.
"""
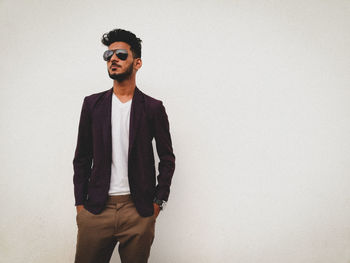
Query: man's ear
x=137 y=63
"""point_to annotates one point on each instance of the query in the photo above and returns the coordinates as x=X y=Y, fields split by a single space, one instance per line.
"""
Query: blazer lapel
x=135 y=116
x=107 y=124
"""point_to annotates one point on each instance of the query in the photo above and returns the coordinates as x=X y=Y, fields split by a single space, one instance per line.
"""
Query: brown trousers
x=118 y=222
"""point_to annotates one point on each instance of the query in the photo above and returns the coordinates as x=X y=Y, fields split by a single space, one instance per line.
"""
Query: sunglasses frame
x=108 y=54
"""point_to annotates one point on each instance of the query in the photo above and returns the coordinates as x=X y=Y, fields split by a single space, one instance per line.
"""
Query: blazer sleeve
x=164 y=148
x=83 y=156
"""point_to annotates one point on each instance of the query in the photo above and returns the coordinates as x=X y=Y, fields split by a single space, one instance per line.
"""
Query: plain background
x=257 y=94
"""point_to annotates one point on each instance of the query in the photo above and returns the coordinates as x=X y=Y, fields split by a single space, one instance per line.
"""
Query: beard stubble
x=122 y=76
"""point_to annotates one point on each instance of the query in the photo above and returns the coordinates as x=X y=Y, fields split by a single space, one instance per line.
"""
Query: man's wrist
x=160 y=203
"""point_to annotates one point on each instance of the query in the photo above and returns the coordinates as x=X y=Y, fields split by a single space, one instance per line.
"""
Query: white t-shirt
x=120 y=121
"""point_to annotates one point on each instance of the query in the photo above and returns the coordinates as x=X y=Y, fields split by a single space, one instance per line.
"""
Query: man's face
x=118 y=69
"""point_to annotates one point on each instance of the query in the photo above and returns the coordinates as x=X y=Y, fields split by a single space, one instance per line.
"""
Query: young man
x=116 y=194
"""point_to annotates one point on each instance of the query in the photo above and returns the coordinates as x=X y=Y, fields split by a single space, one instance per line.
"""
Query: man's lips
x=114 y=66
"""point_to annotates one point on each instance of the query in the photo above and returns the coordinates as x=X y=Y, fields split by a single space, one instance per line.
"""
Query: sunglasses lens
x=122 y=55
x=107 y=55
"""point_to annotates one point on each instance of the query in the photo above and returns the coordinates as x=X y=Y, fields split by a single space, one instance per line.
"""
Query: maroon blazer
x=93 y=154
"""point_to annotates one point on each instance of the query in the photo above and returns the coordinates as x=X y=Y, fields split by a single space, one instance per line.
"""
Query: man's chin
x=119 y=77
x=113 y=76
x=122 y=76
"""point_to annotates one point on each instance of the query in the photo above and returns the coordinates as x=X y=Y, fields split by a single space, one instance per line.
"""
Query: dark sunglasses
x=122 y=54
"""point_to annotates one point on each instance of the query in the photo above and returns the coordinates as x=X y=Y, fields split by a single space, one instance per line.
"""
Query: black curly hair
x=123 y=36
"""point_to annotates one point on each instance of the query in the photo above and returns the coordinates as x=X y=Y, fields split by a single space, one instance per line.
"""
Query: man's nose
x=114 y=57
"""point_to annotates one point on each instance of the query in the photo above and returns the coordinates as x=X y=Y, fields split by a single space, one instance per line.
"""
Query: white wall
x=257 y=94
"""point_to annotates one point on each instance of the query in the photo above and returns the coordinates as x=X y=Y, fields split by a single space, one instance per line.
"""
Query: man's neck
x=124 y=90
